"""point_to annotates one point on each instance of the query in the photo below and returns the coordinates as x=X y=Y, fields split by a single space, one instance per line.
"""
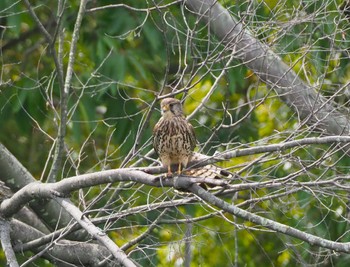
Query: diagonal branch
x=59 y=250
x=95 y=232
x=16 y=176
x=6 y=243
x=139 y=238
x=270 y=224
x=309 y=105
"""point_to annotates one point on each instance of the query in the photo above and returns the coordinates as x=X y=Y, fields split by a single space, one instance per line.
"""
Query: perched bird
x=173 y=137
x=174 y=141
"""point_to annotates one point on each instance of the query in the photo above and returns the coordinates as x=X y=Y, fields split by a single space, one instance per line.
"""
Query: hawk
x=174 y=141
x=173 y=137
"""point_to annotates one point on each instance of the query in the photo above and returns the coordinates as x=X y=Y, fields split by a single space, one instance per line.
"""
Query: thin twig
x=137 y=239
x=64 y=96
x=270 y=224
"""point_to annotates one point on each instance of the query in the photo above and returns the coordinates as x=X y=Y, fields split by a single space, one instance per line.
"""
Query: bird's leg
x=169 y=174
x=179 y=169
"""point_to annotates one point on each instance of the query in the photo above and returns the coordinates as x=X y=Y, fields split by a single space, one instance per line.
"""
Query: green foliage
x=124 y=59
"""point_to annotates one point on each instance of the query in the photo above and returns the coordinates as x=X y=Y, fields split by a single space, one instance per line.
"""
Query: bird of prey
x=173 y=137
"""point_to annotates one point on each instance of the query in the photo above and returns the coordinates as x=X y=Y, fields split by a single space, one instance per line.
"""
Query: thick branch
x=16 y=176
x=11 y=206
x=96 y=232
x=6 y=243
x=39 y=190
x=108 y=218
x=308 y=104
x=75 y=253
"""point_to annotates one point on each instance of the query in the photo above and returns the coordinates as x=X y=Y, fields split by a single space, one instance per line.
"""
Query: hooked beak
x=165 y=108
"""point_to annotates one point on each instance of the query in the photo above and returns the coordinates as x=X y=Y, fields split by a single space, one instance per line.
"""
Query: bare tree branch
x=64 y=97
x=270 y=224
x=137 y=239
x=112 y=218
x=60 y=251
x=240 y=152
x=68 y=185
x=95 y=232
x=51 y=42
x=309 y=105
x=15 y=175
x=36 y=189
x=279 y=179
x=6 y=243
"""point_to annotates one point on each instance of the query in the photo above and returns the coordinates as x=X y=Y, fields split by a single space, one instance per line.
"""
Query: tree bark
x=310 y=106
x=63 y=252
x=16 y=176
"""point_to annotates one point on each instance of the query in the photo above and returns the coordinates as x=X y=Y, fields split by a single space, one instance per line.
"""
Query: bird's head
x=171 y=107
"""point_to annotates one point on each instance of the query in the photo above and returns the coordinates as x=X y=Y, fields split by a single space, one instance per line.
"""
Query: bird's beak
x=165 y=109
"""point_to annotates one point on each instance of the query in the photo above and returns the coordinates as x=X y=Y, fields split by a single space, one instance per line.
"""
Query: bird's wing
x=156 y=138
x=193 y=138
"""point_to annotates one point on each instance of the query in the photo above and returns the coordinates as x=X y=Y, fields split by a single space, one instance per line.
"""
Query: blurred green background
x=126 y=58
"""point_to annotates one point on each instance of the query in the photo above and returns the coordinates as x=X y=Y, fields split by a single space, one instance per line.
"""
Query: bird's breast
x=174 y=137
